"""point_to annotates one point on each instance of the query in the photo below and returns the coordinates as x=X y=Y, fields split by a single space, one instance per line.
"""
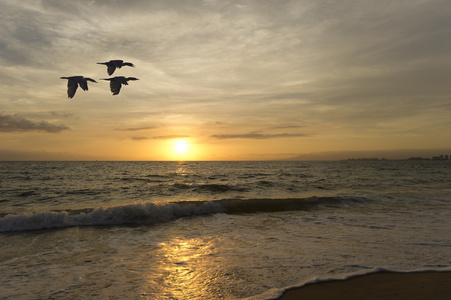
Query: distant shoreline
x=411 y=158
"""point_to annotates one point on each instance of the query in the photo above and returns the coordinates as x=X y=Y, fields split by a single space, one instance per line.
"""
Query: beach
x=381 y=285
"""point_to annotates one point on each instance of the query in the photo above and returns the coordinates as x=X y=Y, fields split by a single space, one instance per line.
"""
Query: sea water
x=215 y=230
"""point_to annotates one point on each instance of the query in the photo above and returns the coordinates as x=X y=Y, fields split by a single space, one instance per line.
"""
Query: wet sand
x=381 y=285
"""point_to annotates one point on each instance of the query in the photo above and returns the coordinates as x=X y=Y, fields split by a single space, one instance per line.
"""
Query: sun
x=181 y=147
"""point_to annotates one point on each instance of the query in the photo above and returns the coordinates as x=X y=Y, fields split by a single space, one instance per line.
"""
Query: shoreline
x=380 y=285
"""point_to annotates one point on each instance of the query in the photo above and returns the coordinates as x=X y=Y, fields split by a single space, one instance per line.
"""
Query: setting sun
x=181 y=149
x=181 y=146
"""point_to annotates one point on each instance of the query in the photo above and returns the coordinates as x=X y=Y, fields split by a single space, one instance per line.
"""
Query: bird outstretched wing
x=83 y=84
x=111 y=68
x=72 y=86
x=115 y=87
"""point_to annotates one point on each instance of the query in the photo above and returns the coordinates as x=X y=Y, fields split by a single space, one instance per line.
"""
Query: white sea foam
x=148 y=213
x=152 y=213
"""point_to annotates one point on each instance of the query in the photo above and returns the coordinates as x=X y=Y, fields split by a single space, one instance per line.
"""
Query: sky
x=225 y=80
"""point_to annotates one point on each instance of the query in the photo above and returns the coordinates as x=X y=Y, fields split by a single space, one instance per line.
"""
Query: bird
x=117 y=82
x=113 y=64
x=73 y=83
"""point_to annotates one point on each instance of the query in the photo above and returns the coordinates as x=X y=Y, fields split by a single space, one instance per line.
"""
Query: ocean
x=215 y=230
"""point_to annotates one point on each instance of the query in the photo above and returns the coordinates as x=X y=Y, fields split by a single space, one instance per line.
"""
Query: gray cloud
x=62 y=115
x=257 y=136
x=26 y=35
x=14 y=123
x=135 y=128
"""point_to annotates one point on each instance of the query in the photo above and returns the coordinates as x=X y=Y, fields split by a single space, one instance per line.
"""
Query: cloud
x=14 y=123
x=63 y=115
x=135 y=128
x=25 y=29
x=257 y=136
x=168 y=137
x=289 y=127
x=20 y=155
x=161 y=137
x=139 y=138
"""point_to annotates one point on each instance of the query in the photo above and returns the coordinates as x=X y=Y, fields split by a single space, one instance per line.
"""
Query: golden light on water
x=186 y=268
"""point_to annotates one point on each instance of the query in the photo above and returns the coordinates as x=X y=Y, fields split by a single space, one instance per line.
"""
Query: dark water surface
x=212 y=230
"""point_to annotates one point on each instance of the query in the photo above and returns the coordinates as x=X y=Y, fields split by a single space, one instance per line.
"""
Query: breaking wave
x=153 y=213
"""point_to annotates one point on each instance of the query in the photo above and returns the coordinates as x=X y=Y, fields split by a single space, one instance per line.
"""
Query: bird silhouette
x=117 y=82
x=73 y=83
x=113 y=64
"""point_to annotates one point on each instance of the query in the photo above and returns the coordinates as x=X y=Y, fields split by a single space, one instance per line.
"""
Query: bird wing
x=72 y=86
x=83 y=84
x=111 y=69
x=115 y=87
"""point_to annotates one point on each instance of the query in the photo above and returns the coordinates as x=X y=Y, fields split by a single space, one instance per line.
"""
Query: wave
x=153 y=213
x=236 y=206
x=210 y=188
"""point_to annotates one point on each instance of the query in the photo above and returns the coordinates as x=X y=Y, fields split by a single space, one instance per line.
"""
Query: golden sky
x=224 y=80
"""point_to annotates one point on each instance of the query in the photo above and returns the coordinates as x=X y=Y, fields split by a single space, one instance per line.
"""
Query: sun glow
x=181 y=147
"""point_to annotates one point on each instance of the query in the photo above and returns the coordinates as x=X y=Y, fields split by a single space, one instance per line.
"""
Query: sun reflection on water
x=187 y=269
x=182 y=169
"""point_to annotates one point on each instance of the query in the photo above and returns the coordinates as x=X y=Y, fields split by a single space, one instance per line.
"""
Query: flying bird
x=117 y=82
x=113 y=64
x=73 y=83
